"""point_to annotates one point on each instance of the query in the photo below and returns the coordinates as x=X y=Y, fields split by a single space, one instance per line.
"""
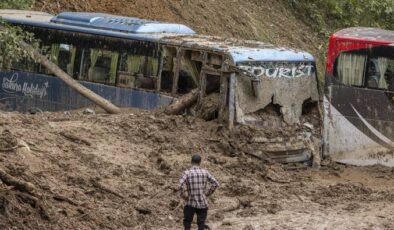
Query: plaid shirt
x=195 y=180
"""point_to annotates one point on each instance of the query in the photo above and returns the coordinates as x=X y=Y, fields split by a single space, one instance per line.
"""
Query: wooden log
x=186 y=101
x=21 y=185
x=38 y=57
x=183 y=102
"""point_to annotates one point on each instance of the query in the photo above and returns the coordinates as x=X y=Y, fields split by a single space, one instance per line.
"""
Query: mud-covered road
x=121 y=172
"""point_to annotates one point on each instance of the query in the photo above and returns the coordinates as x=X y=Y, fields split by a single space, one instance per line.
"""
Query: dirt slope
x=121 y=172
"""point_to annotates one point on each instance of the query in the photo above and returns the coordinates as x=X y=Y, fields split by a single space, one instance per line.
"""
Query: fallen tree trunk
x=98 y=100
x=38 y=57
x=183 y=102
x=186 y=101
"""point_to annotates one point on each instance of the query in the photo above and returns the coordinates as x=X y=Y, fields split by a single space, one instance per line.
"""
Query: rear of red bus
x=359 y=97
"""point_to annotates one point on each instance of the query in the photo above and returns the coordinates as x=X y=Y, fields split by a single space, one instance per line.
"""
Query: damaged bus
x=359 y=97
x=268 y=95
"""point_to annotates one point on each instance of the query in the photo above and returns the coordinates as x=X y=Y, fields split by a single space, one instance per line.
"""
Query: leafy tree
x=9 y=36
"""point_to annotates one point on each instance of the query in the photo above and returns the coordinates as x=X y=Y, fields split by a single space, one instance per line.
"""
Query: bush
x=325 y=16
x=16 y=4
x=10 y=50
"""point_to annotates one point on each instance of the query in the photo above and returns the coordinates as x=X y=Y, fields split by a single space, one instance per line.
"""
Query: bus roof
x=366 y=34
x=153 y=31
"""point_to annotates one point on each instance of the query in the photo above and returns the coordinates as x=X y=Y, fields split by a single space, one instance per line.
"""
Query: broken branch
x=105 y=189
x=65 y=199
x=19 y=184
x=75 y=138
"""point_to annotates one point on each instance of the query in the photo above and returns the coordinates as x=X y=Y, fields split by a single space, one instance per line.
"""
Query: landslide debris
x=93 y=171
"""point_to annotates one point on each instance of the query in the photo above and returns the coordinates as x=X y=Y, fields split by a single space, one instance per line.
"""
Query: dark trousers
x=188 y=214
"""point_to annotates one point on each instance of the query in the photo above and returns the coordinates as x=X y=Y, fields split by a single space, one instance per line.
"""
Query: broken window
x=25 y=64
x=188 y=75
x=98 y=66
x=137 y=71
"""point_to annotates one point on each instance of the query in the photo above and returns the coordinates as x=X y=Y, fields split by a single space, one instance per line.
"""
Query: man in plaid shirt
x=195 y=181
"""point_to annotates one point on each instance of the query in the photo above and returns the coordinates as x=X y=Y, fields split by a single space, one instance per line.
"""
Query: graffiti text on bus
x=279 y=72
x=11 y=85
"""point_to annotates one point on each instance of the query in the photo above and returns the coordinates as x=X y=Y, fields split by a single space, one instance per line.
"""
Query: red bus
x=359 y=97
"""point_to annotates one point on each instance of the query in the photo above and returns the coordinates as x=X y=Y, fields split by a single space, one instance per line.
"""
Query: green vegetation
x=16 y=4
x=9 y=37
x=326 y=16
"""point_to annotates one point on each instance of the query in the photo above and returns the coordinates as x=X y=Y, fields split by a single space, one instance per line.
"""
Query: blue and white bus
x=148 y=64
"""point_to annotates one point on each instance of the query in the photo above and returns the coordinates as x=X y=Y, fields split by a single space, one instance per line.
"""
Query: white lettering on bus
x=279 y=72
x=11 y=85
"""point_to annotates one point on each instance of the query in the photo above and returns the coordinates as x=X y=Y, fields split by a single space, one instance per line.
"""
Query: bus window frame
x=369 y=54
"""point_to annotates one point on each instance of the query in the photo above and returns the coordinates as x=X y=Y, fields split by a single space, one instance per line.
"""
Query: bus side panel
x=24 y=92
x=359 y=126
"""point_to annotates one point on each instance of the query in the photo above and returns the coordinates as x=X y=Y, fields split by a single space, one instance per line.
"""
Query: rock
x=143 y=210
x=308 y=125
x=89 y=111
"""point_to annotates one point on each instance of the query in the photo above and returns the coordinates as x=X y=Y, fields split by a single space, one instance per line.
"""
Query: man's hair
x=196 y=159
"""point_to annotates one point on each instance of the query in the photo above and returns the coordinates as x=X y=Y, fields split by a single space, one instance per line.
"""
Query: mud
x=121 y=172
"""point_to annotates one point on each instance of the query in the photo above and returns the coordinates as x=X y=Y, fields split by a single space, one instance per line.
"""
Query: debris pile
x=92 y=170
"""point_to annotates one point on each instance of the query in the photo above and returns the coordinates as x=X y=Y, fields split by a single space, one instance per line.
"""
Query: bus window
x=145 y=79
x=188 y=75
x=63 y=55
x=351 y=68
x=126 y=77
x=99 y=66
x=380 y=73
x=137 y=71
x=26 y=64
x=389 y=75
x=66 y=58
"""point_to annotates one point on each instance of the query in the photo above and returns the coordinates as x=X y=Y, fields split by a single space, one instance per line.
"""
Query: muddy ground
x=91 y=171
